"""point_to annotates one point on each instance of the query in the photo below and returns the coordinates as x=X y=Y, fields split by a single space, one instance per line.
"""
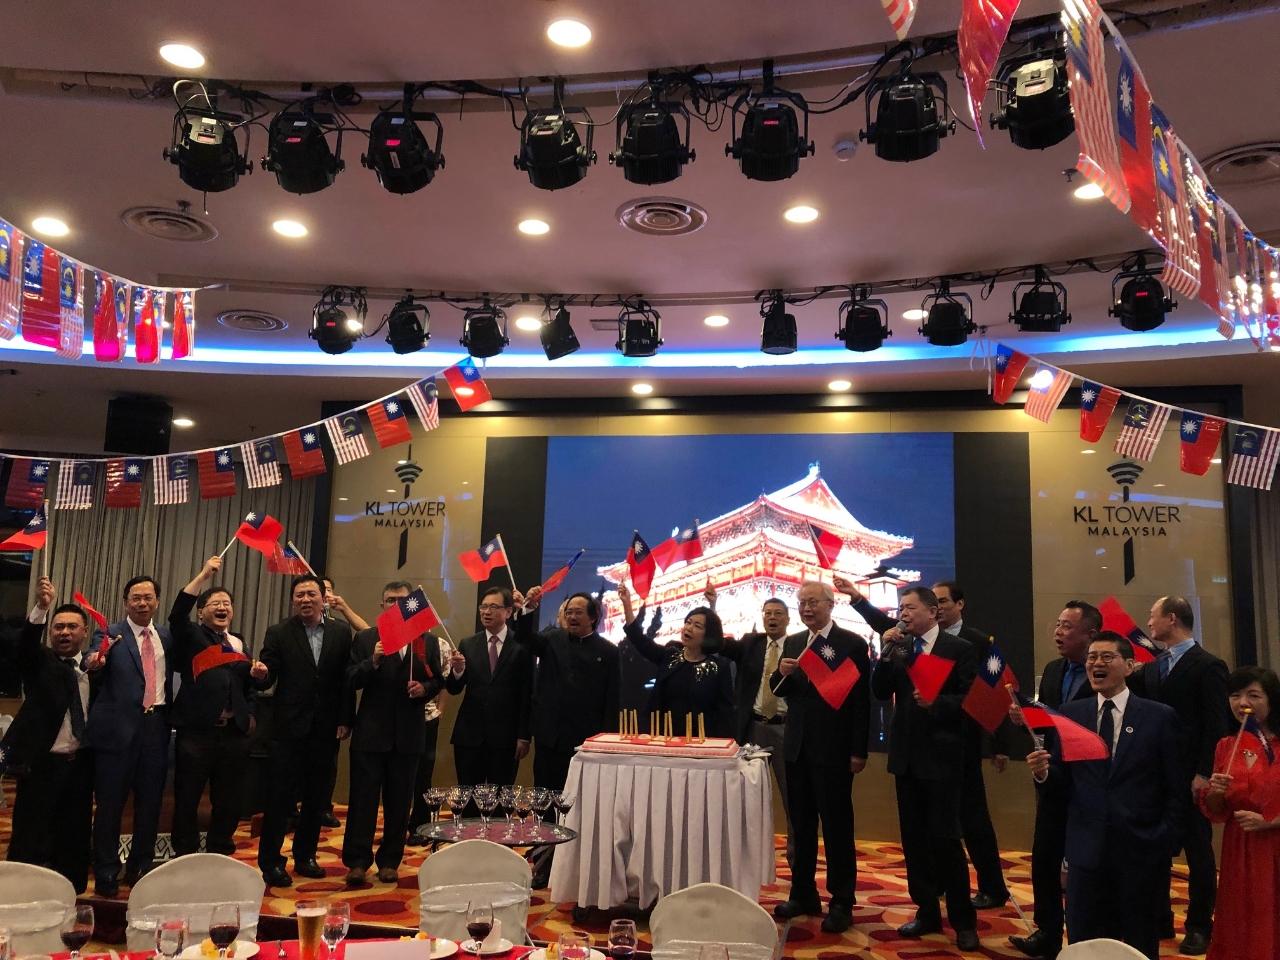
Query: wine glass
x=524 y=804
x=337 y=920
x=457 y=798
x=542 y=800
x=486 y=796
x=171 y=934
x=622 y=939
x=224 y=926
x=77 y=928
x=574 y=946
x=479 y=922
x=564 y=803
x=434 y=799
x=507 y=804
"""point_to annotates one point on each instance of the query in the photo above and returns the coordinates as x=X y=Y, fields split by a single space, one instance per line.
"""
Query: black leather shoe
x=541 y=881
x=837 y=920
x=277 y=877
x=918 y=928
x=104 y=887
x=967 y=940
x=1194 y=944
x=985 y=901
x=789 y=909
x=308 y=868
x=329 y=820
x=1039 y=944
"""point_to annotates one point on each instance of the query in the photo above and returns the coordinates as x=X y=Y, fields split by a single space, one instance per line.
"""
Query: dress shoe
x=985 y=901
x=789 y=909
x=918 y=928
x=309 y=868
x=327 y=819
x=277 y=877
x=1038 y=944
x=837 y=920
x=541 y=880
x=1194 y=944
x=104 y=887
x=967 y=940
x=355 y=876
x=388 y=875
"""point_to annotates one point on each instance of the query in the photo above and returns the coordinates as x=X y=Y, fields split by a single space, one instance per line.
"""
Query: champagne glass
x=171 y=934
x=574 y=946
x=622 y=939
x=77 y=928
x=486 y=796
x=337 y=920
x=507 y=804
x=524 y=805
x=479 y=922
x=224 y=926
x=457 y=798
x=434 y=799
x=564 y=803
x=542 y=800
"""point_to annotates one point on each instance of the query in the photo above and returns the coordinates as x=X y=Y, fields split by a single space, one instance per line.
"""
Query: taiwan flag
x=399 y=625
x=41 y=314
x=1200 y=437
x=215 y=655
x=389 y=423
x=685 y=545
x=928 y=673
x=826 y=545
x=558 y=577
x=28 y=481
x=468 y=386
x=831 y=671
x=1075 y=742
x=641 y=564
x=988 y=699
x=286 y=559
x=260 y=531
x=1116 y=619
x=480 y=563
x=94 y=614
x=306 y=456
x=108 y=336
x=1009 y=366
x=1133 y=124
x=124 y=483
x=30 y=537
x=217 y=469
x=1097 y=403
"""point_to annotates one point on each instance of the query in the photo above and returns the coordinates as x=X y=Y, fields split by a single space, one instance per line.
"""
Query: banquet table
x=270 y=950
x=648 y=826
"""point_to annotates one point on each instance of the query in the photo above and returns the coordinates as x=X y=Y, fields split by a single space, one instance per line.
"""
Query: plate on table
x=242 y=950
x=541 y=954
x=442 y=947
x=473 y=947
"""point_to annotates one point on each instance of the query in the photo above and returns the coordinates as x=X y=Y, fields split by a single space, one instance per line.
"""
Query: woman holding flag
x=1244 y=793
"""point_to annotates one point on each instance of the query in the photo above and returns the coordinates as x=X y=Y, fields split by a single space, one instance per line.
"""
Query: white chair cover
x=33 y=902
x=692 y=950
x=442 y=910
x=189 y=886
x=711 y=913
x=1101 y=949
x=474 y=861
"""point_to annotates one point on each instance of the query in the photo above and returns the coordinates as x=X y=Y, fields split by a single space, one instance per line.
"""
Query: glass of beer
x=310 y=922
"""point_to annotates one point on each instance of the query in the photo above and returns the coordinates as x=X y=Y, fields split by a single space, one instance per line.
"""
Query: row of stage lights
x=1139 y=302
x=769 y=127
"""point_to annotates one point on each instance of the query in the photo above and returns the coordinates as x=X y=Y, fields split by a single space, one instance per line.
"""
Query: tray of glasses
x=521 y=834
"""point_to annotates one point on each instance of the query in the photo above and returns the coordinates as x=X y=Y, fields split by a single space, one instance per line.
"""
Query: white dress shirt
x=758 y=706
x=930 y=638
x=1121 y=700
x=64 y=742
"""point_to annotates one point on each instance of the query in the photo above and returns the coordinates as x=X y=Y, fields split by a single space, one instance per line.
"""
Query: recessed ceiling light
x=344 y=498
x=914 y=314
x=1157 y=484
x=1043 y=377
x=529 y=324
x=533 y=227
x=716 y=320
x=568 y=33
x=182 y=55
x=289 y=228
x=801 y=214
x=390 y=491
x=464 y=391
x=839 y=386
x=1216 y=460
x=1087 y=191
x=643 y=389
x=50 y=226
x=1087 y=452
x=182 y=423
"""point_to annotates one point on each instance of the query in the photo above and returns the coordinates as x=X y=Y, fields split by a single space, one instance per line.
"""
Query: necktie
x=1069 y=680
x=75 y=707
x=493 y=655
x=917 y=648
x=1166 y=662
x=148 y=670
x=769 y=700
x=1107 y=725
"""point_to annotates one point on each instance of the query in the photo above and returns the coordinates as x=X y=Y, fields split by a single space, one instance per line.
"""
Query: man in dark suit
x=1062 y=681
x=926 y=758
x=45 y=746
x=1124 y=813
x=128 y=730
x=306 y=657
x=212 y=714
x=492 y=731
x=1193 y=682
x=825 y=748
x=386 y=742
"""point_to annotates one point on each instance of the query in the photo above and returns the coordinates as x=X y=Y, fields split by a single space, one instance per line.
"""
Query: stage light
x=772 y=140
x=557 y=336
x=948 y=320
x=529 y=324
x=716 y=320
x=182 y=55
x=1042 y=306
x=408 y=325
x=1032 y=99
x=551 y=151
x=337 y=321
x=49 y=227
x=778 y=333
x=652 y=151
x=399 y=152
x=1141 y=303
x=639 y=330
x=298 y=153
x=484 y=330
x=914 y=314
x=203 y=147
x=908 y=123
x=863 y=323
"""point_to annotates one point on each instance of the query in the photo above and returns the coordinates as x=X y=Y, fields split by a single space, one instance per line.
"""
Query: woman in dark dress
x=692 y=678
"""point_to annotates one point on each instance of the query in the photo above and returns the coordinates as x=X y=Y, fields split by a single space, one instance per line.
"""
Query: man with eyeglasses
x=1124 y=812
x=492 y=731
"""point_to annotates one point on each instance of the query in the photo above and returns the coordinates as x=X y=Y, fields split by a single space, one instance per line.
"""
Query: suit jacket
x=832 y=736
x=1132 y=806
x=310 y=699
x=1196 y=688
x=388 y=719
x=748 y=653
x=575 y=691
x=200 y=701
x=1051 y=684
x=928 y=742
x=498 y=707
x=117 y=709
x=47 y=687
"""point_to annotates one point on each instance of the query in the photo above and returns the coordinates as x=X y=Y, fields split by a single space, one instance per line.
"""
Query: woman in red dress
x=1247 y=924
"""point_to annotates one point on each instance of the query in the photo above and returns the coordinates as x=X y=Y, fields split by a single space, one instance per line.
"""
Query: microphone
x=901 y=647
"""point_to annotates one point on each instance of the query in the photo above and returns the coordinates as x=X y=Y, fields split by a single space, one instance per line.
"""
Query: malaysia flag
x=831 y=671
x=1047 y=392
x=402 y=623
x=41 y=323
x=1099 y=159
x=170 y=478
x=826 y=545
x=261 y=531
x=1200 y=436
x=389 y=423
x=288 y=560
x=70 y=310
x=468 y=387
x=124 y=482
x=109 y=335
x=686 y=545
x=929 y=672
x=347 y=437
x=988 y=698
x=1009 y=366
x=1254 y=451
x=28 y=480
x=1174 y=229
x=10 y=281
x=1116 y=619
x=1096 y=405
x=641 y=564
x=480 y=563
x=1133 y=124
x=75 y=485
x=553 y=582
x=426 y=402
x=184 y=323
x=1143 y=426
x=306 y=456
x=261 y=465
x=148 y=309
x=217 y=469
x=901 y=13
x=1075 y=742
x=984 y=27
x=30 y=537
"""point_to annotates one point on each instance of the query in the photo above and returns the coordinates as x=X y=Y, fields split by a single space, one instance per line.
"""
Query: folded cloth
x=491 y=942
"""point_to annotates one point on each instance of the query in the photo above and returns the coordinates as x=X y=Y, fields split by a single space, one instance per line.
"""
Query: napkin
x=494 y=938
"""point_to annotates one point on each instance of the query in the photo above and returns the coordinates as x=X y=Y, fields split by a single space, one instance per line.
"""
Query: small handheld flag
x=1075 y=742
x=929 y=673
x=989 y=697
x=641 y=564
x=831 y=671
x=685 y=545
x=553 y=582
x=826 y=545
x=261 y=531
x=30 y=537
x=400 y=624
x=94 y=614
x=478 y=564
x=287 y=559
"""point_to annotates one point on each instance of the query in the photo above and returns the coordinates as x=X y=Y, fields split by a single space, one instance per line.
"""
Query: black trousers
x=215 y=758
x=821 y=792
x=389 y=776
x=1048 y=847
x=979 y=833
x=929 y=819
x=140 y=768
x=1118 y=899
x=1202 y=875
x=52 y=814
x=301 y=771
x=422 y=780
x=496 y=764
x=550 y=767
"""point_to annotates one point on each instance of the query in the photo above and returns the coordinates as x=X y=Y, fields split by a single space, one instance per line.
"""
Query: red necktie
x=148 y=670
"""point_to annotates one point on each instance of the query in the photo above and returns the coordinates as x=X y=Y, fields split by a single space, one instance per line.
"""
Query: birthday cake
x=708 y=748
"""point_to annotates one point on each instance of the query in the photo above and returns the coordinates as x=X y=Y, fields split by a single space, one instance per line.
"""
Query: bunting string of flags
x=1253 y=449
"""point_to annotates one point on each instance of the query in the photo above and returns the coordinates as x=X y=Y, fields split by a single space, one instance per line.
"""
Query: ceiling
x=92 y=153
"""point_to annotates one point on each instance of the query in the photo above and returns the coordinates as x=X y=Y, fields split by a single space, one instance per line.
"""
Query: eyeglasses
x=1103 y=658
x=812 y=603
x=491 y=607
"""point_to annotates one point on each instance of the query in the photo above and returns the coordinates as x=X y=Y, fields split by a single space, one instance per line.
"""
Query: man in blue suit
x=128 y=729
x=1124 y=813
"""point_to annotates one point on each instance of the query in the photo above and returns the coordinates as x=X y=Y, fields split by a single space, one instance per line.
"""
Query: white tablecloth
x=648 y=826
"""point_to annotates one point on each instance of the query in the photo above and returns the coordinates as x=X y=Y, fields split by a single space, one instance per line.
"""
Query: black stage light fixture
x=399 y=152
x=1141 y=303
x=408 y=325
x=948 y=317
x=203 y=147
x=557 y=336
x=863 y=323
x=337 y=321
x=484 y=330
x=298 y=153
x=778 y=333
x=772 y=139
x=1040 y=305
x=651 y=150
x=551 y=151
x=908 y=122
x=1032 y=99
x=639 y=330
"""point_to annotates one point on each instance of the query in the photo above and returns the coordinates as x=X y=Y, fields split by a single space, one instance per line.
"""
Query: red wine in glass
x=223 y=935
x=622 y=951
x=75 y=938
x=478 y=930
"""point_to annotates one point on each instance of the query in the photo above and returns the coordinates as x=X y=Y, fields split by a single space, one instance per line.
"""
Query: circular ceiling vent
x=252 y=321
x=1248 y=164
x=165 y=224
x=662 y=216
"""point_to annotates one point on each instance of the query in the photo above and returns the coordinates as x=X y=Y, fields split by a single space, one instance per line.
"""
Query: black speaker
x=138 y=425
